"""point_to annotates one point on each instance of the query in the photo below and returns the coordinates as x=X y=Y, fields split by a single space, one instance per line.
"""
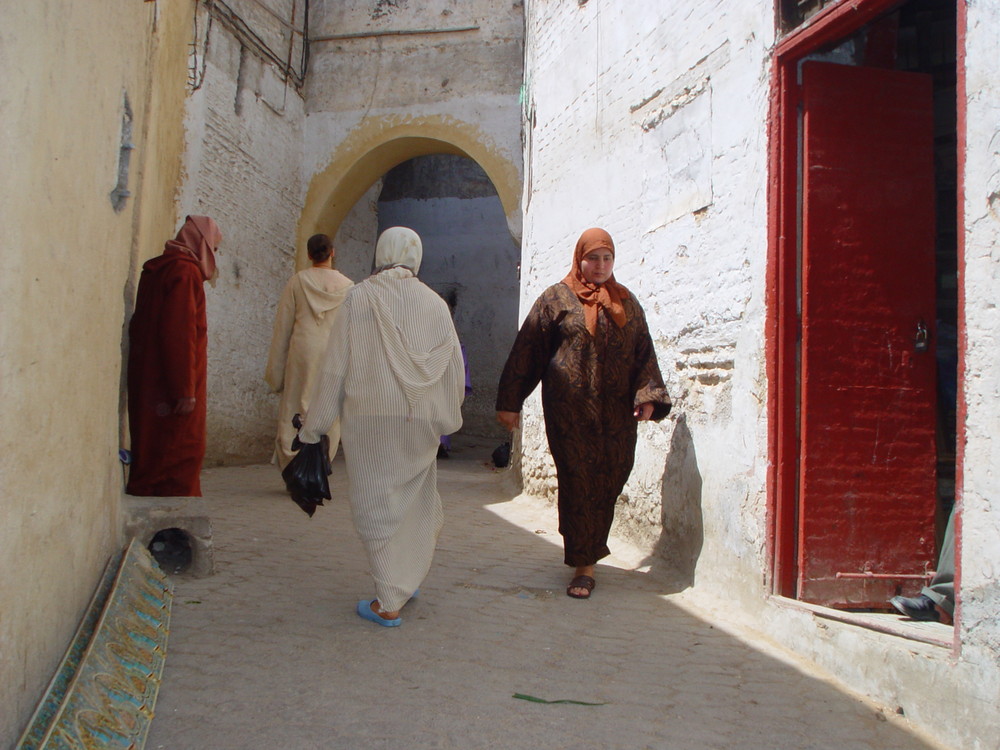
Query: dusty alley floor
x=268 y=653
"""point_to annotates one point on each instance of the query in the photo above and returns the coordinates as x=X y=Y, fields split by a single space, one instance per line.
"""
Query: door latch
x=921 y=341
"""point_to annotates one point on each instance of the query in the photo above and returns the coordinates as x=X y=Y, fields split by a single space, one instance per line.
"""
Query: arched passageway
x=463 y=200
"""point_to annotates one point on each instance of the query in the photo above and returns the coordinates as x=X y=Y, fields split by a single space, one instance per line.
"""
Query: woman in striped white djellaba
x=393 y=374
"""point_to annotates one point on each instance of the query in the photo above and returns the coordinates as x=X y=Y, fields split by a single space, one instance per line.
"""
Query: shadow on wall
x=682 y=533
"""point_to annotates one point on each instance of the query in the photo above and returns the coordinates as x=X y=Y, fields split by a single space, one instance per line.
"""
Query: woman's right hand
x=509 y=420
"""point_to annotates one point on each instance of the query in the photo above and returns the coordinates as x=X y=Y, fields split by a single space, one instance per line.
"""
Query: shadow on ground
x=682 y=532
x=268 y=653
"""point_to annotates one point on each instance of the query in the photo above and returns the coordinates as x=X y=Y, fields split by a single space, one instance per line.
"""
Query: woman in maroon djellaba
x=168 y=363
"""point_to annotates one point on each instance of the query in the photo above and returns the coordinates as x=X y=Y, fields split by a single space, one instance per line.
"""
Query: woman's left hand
x=509 y=420
x=184 y=406
x=643 y=412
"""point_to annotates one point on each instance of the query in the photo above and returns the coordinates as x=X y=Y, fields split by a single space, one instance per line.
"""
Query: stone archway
x=378 y=144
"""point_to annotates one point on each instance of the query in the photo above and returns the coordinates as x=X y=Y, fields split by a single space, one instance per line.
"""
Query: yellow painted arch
x=377 y=145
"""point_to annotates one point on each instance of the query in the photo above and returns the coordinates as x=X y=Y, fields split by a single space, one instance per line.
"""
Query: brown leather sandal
x=581 y=582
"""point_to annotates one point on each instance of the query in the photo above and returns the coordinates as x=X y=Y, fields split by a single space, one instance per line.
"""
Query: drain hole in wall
x=171 y=548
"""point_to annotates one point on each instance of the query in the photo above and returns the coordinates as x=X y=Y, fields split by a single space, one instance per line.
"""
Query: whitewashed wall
x=979 y=556
x=649 y=121
x=242 y=169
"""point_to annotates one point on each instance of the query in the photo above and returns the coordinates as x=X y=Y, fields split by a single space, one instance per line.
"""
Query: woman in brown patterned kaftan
x=585 y=339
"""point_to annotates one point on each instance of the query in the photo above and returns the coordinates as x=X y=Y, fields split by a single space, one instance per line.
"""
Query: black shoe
x=919 y=607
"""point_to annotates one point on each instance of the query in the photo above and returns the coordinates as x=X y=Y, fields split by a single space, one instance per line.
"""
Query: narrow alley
x=803 y=198
x=268 y=652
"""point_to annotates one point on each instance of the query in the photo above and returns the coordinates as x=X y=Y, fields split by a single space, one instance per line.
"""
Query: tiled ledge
x=105 y=688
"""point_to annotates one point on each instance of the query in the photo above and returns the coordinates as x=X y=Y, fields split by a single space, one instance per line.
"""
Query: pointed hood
x=198 y=239
x=397 y=256
x=320 y=299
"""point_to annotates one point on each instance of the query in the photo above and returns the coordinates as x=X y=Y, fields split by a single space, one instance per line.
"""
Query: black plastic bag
x=306 y=474
x=501 y=455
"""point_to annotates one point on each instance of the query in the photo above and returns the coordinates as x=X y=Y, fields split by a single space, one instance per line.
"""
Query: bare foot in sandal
x=583 y=583
x=377 y=609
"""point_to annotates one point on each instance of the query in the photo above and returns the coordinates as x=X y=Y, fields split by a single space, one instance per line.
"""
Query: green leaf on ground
x=533 y=699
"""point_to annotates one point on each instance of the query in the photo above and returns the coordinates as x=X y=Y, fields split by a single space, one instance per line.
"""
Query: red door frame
x=836 y=22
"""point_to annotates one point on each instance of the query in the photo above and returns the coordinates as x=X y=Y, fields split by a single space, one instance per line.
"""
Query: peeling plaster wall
x=245 y=135
x=650 y=122
x=66 y=286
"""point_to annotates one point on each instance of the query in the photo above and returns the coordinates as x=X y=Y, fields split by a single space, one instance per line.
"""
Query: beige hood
x=319 y=299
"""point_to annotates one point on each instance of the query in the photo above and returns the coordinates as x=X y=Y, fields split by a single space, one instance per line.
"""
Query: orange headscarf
x=198 y=238
x=608 y=295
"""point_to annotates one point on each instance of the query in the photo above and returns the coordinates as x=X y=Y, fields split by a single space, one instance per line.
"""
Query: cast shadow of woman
x=681 y=528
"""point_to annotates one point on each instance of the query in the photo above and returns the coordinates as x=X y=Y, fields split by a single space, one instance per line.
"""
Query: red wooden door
x=867 y=421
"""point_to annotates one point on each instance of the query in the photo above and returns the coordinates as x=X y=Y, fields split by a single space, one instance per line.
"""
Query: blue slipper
x=365 y=610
